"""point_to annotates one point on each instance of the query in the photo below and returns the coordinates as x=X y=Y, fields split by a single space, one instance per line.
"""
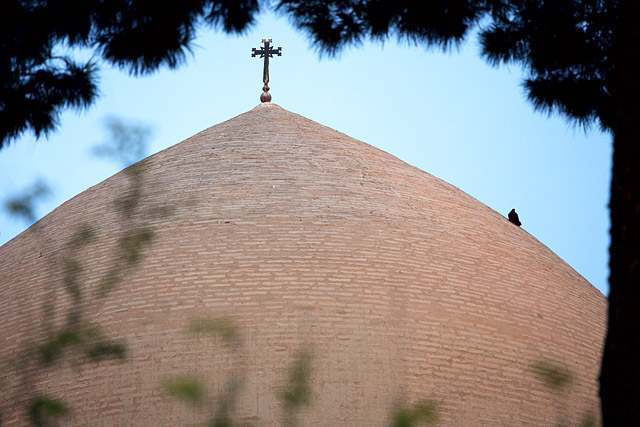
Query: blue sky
x=450 y=114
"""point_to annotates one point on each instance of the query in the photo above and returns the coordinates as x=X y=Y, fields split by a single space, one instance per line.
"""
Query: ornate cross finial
x=266 y=52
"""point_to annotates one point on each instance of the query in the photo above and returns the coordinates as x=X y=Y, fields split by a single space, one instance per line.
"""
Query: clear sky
x=449 y=114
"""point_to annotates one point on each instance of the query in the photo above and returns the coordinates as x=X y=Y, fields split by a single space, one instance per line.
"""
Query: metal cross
x=266 y=52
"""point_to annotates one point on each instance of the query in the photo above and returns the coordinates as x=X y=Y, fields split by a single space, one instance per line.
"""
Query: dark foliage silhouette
x=40 y=75
x=564 y=46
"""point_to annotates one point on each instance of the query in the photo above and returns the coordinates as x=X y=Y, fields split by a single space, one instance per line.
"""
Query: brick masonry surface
x=404 y=287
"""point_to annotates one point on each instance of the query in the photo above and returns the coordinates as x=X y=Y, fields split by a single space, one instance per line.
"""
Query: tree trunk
x=620 y=374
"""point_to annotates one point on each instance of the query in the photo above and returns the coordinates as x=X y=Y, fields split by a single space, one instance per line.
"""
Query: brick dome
x=404 y=287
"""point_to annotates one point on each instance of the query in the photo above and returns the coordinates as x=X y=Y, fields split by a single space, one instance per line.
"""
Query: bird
x=513 y=217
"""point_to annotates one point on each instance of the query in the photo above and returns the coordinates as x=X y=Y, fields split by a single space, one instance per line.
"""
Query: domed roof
x=405 y=287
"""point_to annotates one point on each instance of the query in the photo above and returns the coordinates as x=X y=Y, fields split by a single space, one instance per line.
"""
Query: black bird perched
x=513 y=217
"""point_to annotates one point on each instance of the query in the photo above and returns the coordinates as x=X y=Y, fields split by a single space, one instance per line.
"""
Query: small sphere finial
x=265 y=97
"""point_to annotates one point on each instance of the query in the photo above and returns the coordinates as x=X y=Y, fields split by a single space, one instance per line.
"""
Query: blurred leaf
x=97 y=346
x=552 y=375
x=52 y=349
x=43 y=407
x=127 y=141
x=226 y=423
x=589 y=419
x=136 y=170
x=83 y=234
x=94 y=344
x=226 y=403
x=110 y=282
x=128 y=201
x=298 y=390
x=422 y=412
x=133 y=243
x=162 y=211
x=72 y=269
x=187 y=388
x=223 y=327
x=24 y=205
x=106 y=350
